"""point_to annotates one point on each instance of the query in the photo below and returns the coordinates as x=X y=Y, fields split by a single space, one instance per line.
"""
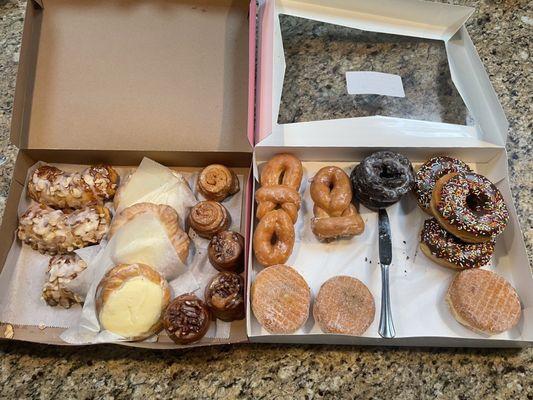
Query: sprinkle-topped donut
x=381 y=179
x=469 y=206
x=429 y=173
x=449 y=251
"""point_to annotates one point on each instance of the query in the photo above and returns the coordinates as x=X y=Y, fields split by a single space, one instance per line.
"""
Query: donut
x=381 y=179
x=445 y=249
x=469 y=206
x=483 y=301
x=271 y=197
x=282 y=169
x=428 y=175
x=334 y=214
x=216 y=182
x=273 y=238
x=280 y=299
x=344 y=305
x=226 y=252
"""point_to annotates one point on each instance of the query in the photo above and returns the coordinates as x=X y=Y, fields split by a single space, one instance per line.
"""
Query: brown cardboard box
x=113 y=82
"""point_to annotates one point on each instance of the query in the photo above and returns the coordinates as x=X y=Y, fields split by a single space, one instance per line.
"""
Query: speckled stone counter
x=501 y=31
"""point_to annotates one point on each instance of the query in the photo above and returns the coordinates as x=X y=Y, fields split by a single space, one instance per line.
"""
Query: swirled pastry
x=207 y=218
x=216 y=182
x=166 y=215
x=58 y=232
x=59 y=189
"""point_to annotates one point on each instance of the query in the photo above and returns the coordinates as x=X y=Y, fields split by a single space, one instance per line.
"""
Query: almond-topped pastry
x=216 y=182
x=207 y=218
x=344 y=305
x=130 y=300
x=62 y=270
x=484 y=301
x=58 y=232
x=280 y=299
x=58 y=189
x=169 y=220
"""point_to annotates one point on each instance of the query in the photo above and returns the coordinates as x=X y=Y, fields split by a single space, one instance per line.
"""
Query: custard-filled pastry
x=207 y=218
x=166 y=215
x=216 y=182
x=59 y=232
x=59 y=189
x=62 y=270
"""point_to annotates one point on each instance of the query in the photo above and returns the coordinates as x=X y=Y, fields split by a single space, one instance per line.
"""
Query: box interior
x=411 y=272
x=10 y=248
x=135 y=75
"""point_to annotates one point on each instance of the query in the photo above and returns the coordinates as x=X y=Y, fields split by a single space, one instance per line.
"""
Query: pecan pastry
x=186 y=319
x=224 y=296
x=226 y=251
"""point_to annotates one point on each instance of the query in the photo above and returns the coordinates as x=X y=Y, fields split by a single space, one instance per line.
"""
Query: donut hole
x=273 y=239
x=281 y=176
x=389 y=172
x=478 y=203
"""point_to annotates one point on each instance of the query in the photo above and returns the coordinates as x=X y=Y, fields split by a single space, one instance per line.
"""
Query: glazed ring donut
x=271 y=197
x=381 y=179
x=470 y=207
x=273 y=238
x=331 y=191
x=443 y=248
x=282 y=169
x=216 y=182
x=428 y=175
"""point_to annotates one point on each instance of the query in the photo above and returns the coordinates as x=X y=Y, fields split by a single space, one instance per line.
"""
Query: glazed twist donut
x=279 y=196
x=282 y=169
x=335 y=215
x=273 y=238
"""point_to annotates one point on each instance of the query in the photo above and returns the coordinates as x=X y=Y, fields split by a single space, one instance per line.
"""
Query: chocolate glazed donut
x=381 y=179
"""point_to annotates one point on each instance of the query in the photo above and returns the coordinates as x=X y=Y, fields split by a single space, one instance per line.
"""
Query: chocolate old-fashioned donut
x=381 y=179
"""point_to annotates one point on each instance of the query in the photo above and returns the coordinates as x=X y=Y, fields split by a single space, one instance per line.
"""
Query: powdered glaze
x=430 y=172
x=471 y=203
x=444 y=245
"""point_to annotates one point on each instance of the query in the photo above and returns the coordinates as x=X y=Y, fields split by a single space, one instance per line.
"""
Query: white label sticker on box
x=370 y=82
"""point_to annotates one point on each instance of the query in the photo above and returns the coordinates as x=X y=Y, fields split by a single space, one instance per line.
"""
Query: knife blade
x=385 y=242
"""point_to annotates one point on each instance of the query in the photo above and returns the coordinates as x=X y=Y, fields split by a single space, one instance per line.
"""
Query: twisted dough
x=58 y=189
x=271 y=197
x=282 y=169
x=335 y=215
x=59 y=232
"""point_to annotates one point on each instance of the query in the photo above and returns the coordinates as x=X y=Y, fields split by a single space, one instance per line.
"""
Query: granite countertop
x=501 y=31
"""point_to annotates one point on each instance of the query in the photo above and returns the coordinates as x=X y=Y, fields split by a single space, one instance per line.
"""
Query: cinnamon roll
x=208 y=218
x=216 y=182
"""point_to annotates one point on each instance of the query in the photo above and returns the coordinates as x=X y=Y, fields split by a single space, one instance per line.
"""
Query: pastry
x=280 y=299
x=224 y=295
x=273 y=238
x=208 y=218
x=470 y=207
x=282 y=169
x=58 y=232
x=272 y=197
x=344 y=305
x=169 y=220
x=381 y=179
x=483 y=301
x=216 y=182
x=226 y=251
x=186 y=319
x=445 y=249
x=58 y=189
x=130 y=300
x=334 y=214
x=428 y=175
x=62 y=270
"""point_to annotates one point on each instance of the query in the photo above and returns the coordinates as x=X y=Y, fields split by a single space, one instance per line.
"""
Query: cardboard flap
x=401 y=17
x=140 y=75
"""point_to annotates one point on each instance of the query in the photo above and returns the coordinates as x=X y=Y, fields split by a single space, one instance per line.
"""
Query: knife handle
x=386 y=325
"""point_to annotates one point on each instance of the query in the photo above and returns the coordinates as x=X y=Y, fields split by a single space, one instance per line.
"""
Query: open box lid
x=401 y=17
x=136 y=75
